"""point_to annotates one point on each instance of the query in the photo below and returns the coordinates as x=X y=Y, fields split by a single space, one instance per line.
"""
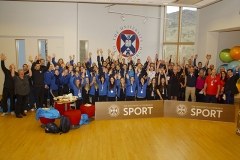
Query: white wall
x=227 y=40
x=56 y=22
x=222 y=15
x=64 y=24
x=98 y=26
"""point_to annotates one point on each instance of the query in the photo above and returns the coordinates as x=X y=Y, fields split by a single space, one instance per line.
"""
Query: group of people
x=115 y=79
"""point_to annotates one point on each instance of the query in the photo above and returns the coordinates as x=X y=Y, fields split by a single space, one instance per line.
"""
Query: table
x=65 y=105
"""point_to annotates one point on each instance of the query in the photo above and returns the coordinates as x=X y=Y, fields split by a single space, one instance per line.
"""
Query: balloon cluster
x=230 y=56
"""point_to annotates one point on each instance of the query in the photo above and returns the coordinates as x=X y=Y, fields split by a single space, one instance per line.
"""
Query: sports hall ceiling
x=185 y=3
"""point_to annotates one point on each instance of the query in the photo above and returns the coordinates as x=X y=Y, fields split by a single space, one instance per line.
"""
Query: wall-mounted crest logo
x=128 y=41
x=113 y=110
x=181 y=110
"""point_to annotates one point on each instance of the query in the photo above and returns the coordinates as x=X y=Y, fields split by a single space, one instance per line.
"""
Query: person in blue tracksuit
x=65 y=79
x=47 y=81
x=77 y=90
x=112 y=88
x=103 y=86
x=141 y=87
x=131 y=88
x=85 y=91
x=121 y=90
x=94 y=90
x=54 y=85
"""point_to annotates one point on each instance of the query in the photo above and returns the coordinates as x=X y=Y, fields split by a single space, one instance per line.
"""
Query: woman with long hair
x=112 y=88
x=77 y=90
x=94 y=90
x=152 y=89
x=200 y=86
x=162 y=89
x=121 y=94
x=131 y=88
x=175 y=82
x=223 y=80
x=141 y=87
x=182 y=88
x=85 y=91
x=103 y=87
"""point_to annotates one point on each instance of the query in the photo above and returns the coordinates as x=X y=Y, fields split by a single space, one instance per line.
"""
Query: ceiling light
x=165 y=3
x=123 y=18
x=145 y=20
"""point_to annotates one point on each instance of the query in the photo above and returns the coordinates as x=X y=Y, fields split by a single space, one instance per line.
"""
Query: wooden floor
x=138 y=139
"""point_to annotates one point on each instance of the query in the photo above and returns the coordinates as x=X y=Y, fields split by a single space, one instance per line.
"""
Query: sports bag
x=64 y=124
x=51 y=128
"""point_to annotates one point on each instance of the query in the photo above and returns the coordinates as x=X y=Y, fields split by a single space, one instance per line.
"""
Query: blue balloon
x=223 y=65
x=233 y=64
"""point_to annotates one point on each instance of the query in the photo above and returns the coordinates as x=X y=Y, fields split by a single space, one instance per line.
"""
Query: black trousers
x=79 y=103
x=30 y=100
x=102 y=98
x=111 y=99
x=169 y=91
x=199 y=97
x=63 y=90
x=39 y=96
x=21 y=101
x=46 y=92
x=130 y=98
x=94 y=99
x=121 y=99
x=8 y=93
x=141 y=99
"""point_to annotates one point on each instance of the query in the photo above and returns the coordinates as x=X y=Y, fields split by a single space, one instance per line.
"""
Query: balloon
x=223 y=65
x=233 y=64
x=235 y=52
x=225 y=56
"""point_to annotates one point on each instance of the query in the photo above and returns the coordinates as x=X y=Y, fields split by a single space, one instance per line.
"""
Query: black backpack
x=51 y=128
x=64 y=124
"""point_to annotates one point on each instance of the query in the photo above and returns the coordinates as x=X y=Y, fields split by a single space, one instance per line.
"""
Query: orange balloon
x=235 y=53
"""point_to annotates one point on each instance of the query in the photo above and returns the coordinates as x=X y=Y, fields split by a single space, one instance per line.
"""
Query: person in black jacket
x=38 y=80
x=8 y=87
x=230 y=87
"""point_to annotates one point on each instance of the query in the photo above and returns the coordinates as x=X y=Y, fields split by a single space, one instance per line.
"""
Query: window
x=179 y=32
x=20 y=51
x=83 y=50
x=42 y=48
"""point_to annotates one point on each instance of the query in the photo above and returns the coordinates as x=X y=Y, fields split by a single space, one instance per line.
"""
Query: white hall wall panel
x=219 y=16
x=98 y=26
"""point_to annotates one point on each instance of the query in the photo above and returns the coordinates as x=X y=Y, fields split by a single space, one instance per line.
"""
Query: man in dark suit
x=230 y=87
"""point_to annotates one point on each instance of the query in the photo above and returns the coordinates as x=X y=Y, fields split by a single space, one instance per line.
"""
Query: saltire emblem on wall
x=127 y=43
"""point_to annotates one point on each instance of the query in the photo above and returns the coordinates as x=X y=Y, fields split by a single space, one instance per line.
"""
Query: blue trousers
x=210 y=98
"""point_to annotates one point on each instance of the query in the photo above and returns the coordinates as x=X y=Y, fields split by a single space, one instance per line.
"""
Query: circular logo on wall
x=128 y=41
x=113 y=110
x=181 y=110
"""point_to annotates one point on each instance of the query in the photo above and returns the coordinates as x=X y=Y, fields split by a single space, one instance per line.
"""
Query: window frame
x=178 y=43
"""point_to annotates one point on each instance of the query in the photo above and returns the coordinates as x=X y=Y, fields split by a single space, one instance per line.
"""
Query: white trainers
x=4 y=114
x=12 y=113
x=25 y=111
x=32 y=109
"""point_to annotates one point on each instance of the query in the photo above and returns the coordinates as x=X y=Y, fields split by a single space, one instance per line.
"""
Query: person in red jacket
x=212 y=87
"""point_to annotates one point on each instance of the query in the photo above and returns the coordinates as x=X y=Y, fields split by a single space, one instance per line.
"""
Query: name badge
x=79 y=95
x=141 y=91
x=111 y=91
x=131 y=91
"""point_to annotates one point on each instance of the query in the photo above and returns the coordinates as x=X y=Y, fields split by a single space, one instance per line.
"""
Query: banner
x=128 y=109
x=201 y=111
